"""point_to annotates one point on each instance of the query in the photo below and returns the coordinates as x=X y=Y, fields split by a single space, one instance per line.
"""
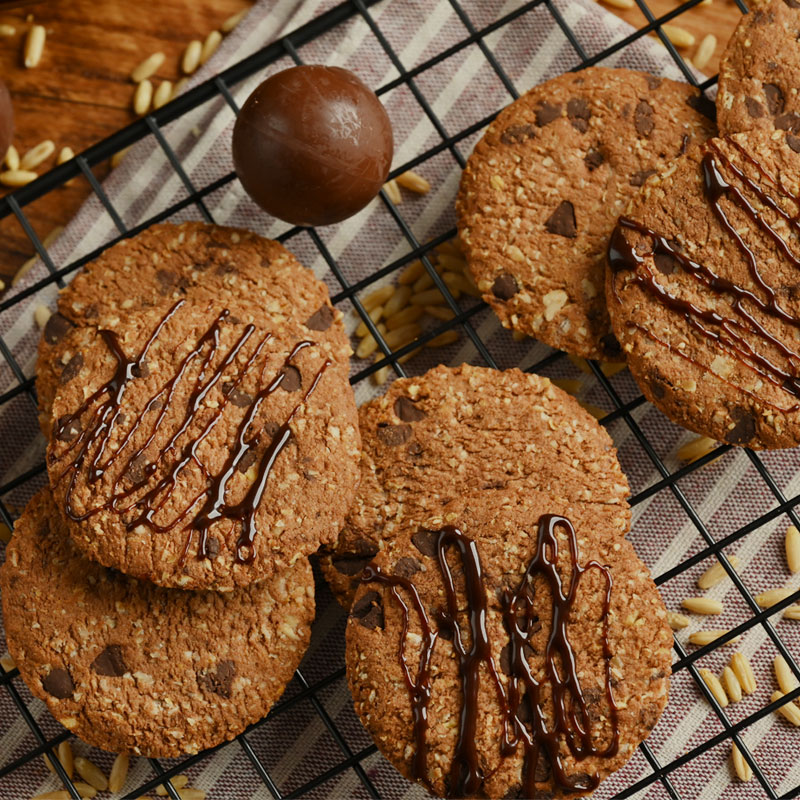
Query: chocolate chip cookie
x=195 y=450
x=545 y=185
x=134 y=668
x=760 y=71
x=512 y=646
x=255 y=278
x=466 y=431
x=704 y=293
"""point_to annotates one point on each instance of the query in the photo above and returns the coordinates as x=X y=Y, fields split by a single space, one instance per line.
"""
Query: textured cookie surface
x=545 y=184
x=195 y=450
x=133 y=668
x=462 y=432
x=704 y=291
x=760 y=71
x=252 y=276
x=502 y=599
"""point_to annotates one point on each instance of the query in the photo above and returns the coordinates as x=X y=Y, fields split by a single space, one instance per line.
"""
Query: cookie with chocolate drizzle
x=255 y=278
x=704 y=290
x=544 y=186
x=195 y=450
x=760 y=71
x=134 y=668
x=465 y=431
x=512 y=647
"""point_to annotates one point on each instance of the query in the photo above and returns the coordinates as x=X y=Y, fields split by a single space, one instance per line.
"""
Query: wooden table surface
x=81 y=91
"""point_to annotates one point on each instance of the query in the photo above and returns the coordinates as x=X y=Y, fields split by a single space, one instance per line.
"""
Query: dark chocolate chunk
x=368 y=610
x=110 y=662
x=643 y=119
x=220 y=680
x=515 y=134
x=242 y=399
x=788 y=122
x=211 y=547
x=168 y=282
x=292 y=379
x=414 y=449
x=579 y=113
x=136 y=468
x=247 y=461
x=321 y=319
x=639 y=178
x=426 y=542
x=754 y=108
x=699 y=102
x=141 y=370
x=405 y=410
x=593 y=159
x=546 y=113
x=792 y=3
x=666 y=263
x=349 y=564
x=406 y=567
x=775 y=101
x=562 y=221
x=793 y=142
x=611 y=345
x=744 y=428
x=504 y=286
x=57 y=328
x=58 y=684
x=393 y=435
x=653 y=81
x=66 y=429
x=71 y=369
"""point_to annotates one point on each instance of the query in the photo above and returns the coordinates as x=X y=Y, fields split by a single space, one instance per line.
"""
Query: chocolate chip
x=141 y=370
x=580 y=781
x=247 y=461
x=792 y=3
x=754 y=108
x=321 y=319
x=169 y=281
x=666 y=263
x=66 y=429
x=368 y=610
x=57 y=328
x=744 y=428
x=579 y=113
x=562 y=221
x=653 y=81
x=643 y=118
x=220 y=681
x=788 y=122
x=427 y=542
x=349 y=564
x=639 y=178
x=58 y=684
x=515 y=134
x=110 y=662
x=504 y=286
x=292 y=379
x=71 y=369
x=405 y=410
x=775 y=101
x=414 y=449
x=240 y=398
x=226 y=268
x=793 y=142
x=136 y=469
x=211 y=547
x=593 y=159
x=546 y=113
x=393 y=435
x=406 y=567
x=699 y=102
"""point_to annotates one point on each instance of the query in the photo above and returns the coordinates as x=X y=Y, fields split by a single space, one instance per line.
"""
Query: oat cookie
x=134 y=668
x=760 y=71
x=543 y=188
x=465 y=431
x=704 y=293
x=195 y=450
x=537 y=648
x=255 y=278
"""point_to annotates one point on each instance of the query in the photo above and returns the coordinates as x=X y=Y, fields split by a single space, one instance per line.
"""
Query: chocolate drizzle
x=130 y=495
x=525 y=722
x=742 y=335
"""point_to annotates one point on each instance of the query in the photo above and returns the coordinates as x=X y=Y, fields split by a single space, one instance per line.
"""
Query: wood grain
x=81 y=91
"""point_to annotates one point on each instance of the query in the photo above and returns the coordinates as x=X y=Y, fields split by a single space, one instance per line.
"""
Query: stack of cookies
x=202 y=443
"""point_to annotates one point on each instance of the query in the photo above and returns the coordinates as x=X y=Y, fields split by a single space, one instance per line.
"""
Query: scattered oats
x=119 y=773
x=191 y=56
x=792 y=612
x=118 y=156
x=41 y=314
x=714 y=686
x=793 y=549
x=233 y=21
x=64 y=155
x=784 y=675
x=148 y=67
x=716 y=573
x=413 y=182
x=743 y=770
x=17 y=177
x=392 y=191
x=443 y=339
x=179 y=782
x=772 y=596
x=705 y=51
x=91 y=773
x=142 y=97
x=34 y=46
x=210 y=45
x=7 y=30
x=788 y=710
x=411 y=273
x=731 y=684
x=677 y=621
x=163 y=94
x=680 y=37
x=702 y=605
x=695 y=449
x=12 y=158
x=744 y=673
x=701 y=638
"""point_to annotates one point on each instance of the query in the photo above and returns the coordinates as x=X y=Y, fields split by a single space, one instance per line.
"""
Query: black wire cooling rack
x=313 y=692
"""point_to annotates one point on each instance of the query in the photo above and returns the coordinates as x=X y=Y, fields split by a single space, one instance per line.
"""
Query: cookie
x=544 y=186
x=194 y=450
x=760 y=71
x=513 y=646
x=466 y=431
x=704 y=293
x=253 y=277
x=133 y=668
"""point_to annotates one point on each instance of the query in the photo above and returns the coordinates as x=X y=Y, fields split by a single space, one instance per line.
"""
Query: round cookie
x=760 y=71
x=133 y=668
x=505 y=592
x=544 y=186
x=194 y=450
x=253 y=276
x=465 y=431
x=703 y=290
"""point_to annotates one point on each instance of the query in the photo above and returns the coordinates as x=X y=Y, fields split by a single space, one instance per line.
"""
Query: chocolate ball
x=6 y=120
x=312 y=145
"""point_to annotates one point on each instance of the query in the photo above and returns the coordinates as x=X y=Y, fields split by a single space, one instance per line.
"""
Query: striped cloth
x=461 y=90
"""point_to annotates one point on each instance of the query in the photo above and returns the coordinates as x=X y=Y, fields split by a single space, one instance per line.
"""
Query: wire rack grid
x=307 y=691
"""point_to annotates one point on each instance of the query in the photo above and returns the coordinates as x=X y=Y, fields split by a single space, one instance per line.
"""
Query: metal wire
x=668 y=481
